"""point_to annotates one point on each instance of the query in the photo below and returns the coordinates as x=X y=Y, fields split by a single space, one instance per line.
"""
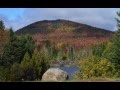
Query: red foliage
x=40 y=43
x=78 y=40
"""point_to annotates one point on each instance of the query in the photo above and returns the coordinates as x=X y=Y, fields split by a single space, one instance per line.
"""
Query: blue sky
x=98 y=17
x=12 y=13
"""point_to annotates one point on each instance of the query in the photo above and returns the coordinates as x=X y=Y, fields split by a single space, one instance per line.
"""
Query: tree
x=16 y=72
x=2 y=26
x=113 y=51
x=26 y=44
x=107 y=53
x=36 y=64
x=26 y=67
x=94 y=66
x=44 y=60
x=16 y=48
x=33 y=68
x=11 y=52
x=99 y=49
x=3 y=37
x=25 y=61
x=4 y=74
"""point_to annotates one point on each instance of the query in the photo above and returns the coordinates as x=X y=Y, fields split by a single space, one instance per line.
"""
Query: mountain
x=66 y=31
x=47 y=26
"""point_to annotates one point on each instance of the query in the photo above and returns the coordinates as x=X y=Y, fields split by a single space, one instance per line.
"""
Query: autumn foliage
x=3 y=37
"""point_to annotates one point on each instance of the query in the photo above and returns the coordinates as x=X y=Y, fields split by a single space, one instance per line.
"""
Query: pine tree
x=2 y=26
x=29 y=44
x=99 y=49
x=3 y=37
x=12 y=52
x=115 y=57
x=26 y=44
x=36 y=63
x=32 y=66
x=44 y=60
x=26 y=67
x=16 y=48
x=26 y=60
x=16 y=72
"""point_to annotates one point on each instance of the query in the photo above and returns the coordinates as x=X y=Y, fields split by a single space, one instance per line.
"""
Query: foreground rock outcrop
x=55 y=74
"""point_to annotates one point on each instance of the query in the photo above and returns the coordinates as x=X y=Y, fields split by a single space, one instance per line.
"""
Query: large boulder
x=55 y=74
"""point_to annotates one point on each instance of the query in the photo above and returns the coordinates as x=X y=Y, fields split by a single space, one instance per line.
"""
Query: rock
x=55 y=74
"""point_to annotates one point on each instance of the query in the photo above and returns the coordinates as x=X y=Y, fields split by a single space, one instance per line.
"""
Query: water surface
x=70 y=70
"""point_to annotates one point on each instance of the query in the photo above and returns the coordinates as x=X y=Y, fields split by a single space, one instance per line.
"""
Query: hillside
x=64 y=31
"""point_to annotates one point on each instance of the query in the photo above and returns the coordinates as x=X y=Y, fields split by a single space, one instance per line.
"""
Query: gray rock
x=55 y=75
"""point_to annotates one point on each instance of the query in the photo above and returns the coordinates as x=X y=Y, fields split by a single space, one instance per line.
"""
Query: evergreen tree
x=44 y=60
x=16 y=72
x=3 y=37
x=26 y=60
x=26 y=44
x=54 y=51
x=29 y=44
x=16 y=48
x=26 y=67
x=99 y=49
x=113 y=51
x=2 y=26
x=36 y=64
x=11 y=52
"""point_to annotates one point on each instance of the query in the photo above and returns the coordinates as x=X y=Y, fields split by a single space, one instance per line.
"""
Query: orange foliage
x=78 y=40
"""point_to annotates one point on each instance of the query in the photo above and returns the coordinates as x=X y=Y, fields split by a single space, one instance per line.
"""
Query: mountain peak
x=66 y=31
x=52 y=25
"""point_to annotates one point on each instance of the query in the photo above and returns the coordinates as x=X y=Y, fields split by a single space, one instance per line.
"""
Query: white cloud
x=102 y=17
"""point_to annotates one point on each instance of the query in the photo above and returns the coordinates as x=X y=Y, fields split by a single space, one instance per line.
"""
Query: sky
x=97 y=17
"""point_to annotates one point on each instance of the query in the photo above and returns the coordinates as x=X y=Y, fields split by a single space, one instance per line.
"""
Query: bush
x=94 y=66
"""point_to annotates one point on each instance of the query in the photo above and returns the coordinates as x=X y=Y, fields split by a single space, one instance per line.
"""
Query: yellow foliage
x=94 y=66
x=59 y=45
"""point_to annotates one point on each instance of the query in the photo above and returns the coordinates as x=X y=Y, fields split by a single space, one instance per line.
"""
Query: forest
x=26 y=57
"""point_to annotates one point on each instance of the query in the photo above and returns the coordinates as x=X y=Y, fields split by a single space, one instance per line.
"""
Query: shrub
x=94 y=66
